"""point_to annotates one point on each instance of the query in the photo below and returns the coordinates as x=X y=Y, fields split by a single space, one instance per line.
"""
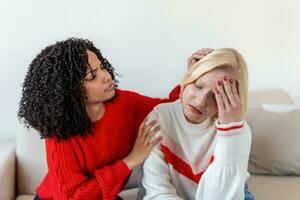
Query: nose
x=202 y=99
x=107 y=76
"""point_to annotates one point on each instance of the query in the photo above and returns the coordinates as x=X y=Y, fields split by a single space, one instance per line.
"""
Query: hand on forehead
x=209 y=79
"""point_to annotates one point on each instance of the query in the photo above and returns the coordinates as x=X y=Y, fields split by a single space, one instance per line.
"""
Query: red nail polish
x=231 y=81
x=220 y=83
x=225 y=78
x=217 y=91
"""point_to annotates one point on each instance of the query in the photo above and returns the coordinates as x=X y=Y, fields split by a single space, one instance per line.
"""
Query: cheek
x=187 y=93
x=93 y=90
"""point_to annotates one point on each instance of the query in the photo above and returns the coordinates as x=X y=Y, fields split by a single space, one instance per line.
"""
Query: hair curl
x=53 y=94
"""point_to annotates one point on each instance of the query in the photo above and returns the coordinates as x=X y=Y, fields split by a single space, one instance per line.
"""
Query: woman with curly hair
x=93 y=132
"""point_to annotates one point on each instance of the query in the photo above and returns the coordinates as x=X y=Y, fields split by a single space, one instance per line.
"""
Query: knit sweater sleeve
x=156 y=177
x=69 y=181
x=225 y=178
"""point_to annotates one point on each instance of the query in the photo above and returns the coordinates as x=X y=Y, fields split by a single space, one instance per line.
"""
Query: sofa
x=274 y=160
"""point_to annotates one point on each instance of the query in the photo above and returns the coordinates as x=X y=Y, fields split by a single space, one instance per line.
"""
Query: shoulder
x=164 y=113
x=125 y=95
x=54 y=144
x=163 y=108
x=166 y=108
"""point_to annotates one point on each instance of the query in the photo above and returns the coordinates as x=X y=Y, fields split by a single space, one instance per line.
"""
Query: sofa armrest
x=7 y=170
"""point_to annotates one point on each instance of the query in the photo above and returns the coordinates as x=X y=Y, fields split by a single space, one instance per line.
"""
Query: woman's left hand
x=230 y=108
x=198 y=55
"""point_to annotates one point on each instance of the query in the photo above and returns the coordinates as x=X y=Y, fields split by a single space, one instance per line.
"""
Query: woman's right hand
x=143 y=144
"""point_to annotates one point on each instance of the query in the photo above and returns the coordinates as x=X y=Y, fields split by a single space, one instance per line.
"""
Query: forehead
x=212 y=76
x=93 y=59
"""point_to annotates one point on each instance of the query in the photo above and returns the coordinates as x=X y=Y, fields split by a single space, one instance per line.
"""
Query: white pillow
x=280 y=107
x=275 y=140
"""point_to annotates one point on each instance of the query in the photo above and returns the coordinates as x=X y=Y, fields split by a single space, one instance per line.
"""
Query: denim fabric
x=248 y=195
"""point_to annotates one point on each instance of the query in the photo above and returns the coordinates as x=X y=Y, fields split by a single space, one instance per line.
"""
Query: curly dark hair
x=53 y=94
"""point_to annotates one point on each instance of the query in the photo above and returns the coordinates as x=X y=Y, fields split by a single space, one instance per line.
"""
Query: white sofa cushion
x=31 y=160
x=7 y=169
x=274 y=187
x=275 y=141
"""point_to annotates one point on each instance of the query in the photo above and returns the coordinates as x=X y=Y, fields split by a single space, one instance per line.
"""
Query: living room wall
x=148 y=42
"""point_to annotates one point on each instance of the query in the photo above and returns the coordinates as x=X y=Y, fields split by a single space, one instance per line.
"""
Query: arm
x=225 y=178
x=69 y=181
x=156 y=179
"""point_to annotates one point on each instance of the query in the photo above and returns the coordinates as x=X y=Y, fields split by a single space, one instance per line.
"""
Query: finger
x=223 y=95
x=141 y=127
x=155 y=142
x=148 y=127
x=202 y=52
x=208 y=50
x=194 y=60
x=228 y=91
x=234 y=90
x=219 y=101
x=151 y=134
x=190 y=61
x=198 y=55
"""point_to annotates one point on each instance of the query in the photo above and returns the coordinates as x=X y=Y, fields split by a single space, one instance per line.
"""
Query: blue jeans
x=248 y=195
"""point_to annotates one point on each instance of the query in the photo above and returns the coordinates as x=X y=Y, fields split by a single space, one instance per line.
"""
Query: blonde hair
x=223 y=58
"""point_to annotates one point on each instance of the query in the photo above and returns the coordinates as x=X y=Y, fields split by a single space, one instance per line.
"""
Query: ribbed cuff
x=111 y=178
x=121 y=169
x=230 y=128
x=233 y=143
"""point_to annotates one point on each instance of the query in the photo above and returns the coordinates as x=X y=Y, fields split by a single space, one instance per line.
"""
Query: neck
x=95 y=111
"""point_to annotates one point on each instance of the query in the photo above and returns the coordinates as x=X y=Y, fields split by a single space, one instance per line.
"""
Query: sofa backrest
x=30 y=150
x=31 y=160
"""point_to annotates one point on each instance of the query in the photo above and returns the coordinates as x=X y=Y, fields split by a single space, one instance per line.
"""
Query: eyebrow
x=93 y=70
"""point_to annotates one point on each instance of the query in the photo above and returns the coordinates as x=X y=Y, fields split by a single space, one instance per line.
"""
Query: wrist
x=129 y=162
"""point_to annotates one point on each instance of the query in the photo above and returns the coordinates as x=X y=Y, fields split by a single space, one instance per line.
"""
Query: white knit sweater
x=206 y=161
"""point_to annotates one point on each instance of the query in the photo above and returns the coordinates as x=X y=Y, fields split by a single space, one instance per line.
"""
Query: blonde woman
x=206 y=141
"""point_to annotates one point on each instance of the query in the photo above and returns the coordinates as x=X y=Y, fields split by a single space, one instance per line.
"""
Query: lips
x=110 y=87
x=195 y=110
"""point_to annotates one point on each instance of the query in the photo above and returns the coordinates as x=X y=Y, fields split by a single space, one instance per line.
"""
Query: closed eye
x=198 y=86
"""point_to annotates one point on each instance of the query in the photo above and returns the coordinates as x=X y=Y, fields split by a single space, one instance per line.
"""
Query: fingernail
x=217 y=91
x=220 y=83
x=231 y=81
x=225 y=78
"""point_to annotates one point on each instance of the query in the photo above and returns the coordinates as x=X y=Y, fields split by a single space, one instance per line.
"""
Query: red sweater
x=92 y=167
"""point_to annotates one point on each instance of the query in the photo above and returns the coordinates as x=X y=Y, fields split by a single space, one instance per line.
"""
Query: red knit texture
x=92 y=167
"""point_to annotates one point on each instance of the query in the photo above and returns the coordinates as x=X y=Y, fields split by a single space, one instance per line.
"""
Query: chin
x=194 y=119
x=111 y=95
